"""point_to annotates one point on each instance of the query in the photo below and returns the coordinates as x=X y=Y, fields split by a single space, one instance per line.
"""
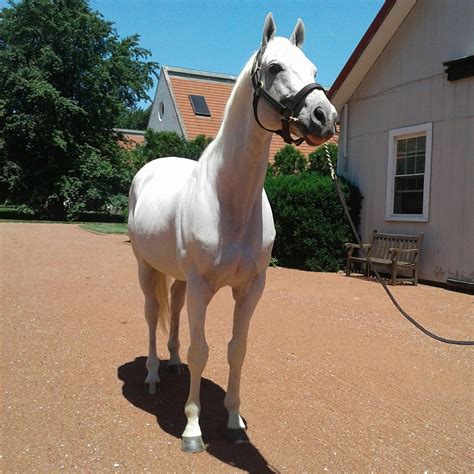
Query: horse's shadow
x=168 y=407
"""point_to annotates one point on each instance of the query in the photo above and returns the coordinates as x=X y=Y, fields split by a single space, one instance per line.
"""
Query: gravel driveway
x=334 y=380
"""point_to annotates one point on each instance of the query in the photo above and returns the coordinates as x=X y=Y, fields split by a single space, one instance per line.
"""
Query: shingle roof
x=216 y=95
x=216 y=88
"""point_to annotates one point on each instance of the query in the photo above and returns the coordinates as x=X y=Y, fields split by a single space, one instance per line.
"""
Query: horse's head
x=285 y=78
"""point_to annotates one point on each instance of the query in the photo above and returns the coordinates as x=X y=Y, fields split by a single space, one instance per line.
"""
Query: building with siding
x=406 y=104
x=192 y=103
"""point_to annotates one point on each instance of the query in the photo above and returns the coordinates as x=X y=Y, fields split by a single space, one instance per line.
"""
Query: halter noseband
x=285 y=112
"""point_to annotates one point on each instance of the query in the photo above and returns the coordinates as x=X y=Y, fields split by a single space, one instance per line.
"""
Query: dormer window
x=199 y=105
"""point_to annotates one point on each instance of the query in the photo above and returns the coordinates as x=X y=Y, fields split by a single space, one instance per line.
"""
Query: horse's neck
x=237 y=160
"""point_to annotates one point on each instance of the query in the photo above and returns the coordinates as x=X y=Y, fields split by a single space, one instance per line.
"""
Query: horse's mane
x=242 y=80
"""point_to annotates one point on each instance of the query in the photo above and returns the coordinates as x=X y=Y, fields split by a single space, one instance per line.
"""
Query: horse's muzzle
x=322 y=121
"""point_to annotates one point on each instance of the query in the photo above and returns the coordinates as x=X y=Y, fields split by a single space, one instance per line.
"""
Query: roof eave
x=385 y=24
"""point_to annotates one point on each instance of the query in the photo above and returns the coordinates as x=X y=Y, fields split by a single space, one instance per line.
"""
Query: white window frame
x=425 y=129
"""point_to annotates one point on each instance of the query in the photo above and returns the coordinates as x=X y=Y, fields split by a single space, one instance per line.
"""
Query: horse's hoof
x=236 y=436
x=175 y=369
x=192 y=444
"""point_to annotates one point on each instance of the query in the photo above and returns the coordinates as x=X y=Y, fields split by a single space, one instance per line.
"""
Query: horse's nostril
x=319 y=115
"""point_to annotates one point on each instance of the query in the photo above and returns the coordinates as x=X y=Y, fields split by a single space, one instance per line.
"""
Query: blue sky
x=220 y=35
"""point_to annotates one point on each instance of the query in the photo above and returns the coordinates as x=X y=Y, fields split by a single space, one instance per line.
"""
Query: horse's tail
x=162 y=288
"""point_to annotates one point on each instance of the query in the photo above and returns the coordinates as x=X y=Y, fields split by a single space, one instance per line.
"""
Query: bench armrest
x=350 y=247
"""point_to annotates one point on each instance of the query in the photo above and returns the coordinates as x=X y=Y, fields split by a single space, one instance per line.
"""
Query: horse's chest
x=232 y=263
x=237 y=261
x=225 y=250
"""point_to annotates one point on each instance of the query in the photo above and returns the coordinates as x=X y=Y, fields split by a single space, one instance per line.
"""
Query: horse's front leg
x=246 y=299
x=198 y=297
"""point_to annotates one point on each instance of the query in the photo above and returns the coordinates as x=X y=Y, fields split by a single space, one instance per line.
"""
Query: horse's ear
x=297 y=38
x=269 y=29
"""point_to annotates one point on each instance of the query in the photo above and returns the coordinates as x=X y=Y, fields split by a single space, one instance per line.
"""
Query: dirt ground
x=335 y=379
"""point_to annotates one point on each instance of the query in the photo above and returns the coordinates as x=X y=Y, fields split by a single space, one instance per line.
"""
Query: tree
x=134 y=118
x=65 y=77
x=318 y=162
x=288 y=160
x=161 y=144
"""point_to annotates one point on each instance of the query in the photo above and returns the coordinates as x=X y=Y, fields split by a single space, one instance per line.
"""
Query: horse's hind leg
x=148 y=277
x=178 y=294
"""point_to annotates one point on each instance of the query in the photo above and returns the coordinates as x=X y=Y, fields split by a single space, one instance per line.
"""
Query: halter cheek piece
x=285 y=112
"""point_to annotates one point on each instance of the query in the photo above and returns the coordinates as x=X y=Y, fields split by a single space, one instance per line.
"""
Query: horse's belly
x=155 y=199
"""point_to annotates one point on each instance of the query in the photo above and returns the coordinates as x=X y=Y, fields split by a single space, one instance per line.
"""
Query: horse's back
x=154 y=202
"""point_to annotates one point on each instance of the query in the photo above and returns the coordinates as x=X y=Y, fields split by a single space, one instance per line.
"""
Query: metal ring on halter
x=286 y=112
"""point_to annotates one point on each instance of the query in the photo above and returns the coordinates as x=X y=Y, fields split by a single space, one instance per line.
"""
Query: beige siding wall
x=408 y=86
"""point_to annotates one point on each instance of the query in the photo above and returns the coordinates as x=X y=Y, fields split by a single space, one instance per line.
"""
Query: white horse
x=208 y=224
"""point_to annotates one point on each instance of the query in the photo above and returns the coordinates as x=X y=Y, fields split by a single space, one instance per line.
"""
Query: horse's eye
x=274 y=68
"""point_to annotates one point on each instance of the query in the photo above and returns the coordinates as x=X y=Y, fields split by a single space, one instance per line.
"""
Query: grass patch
x=105 y=227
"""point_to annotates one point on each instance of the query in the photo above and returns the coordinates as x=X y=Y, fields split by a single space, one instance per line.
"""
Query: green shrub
x=309 y=220
x=318 y=162
x=287 y=160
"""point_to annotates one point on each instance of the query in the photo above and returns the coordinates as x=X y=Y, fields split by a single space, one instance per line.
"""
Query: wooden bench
x=398 y=252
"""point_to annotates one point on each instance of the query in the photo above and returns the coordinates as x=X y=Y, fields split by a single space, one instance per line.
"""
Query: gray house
x=406 y=104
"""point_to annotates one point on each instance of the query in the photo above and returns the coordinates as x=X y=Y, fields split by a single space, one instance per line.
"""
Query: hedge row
x=310 y=222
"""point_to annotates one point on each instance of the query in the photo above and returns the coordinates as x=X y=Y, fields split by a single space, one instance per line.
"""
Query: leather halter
x=285 y=112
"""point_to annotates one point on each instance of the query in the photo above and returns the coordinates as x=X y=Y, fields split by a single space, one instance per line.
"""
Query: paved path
x=335 y=380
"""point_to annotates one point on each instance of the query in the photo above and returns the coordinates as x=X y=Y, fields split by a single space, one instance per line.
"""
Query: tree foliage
x=288 y=160
x=161 y=144
x=65 y=77
x=134 y=118
x=318 y=161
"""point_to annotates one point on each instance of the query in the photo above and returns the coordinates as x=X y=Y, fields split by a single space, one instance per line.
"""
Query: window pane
x=410 y=165
x=401 y=146
x=420 y=164
x=411 y=145
x=420 y=183
x=199 y=105
x=400 y=166
x=421 y=143
x=409 y=183
x=400 y=184
x=408 y=202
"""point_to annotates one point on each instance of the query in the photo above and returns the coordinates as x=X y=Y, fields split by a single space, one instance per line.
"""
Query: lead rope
x=335 y=180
